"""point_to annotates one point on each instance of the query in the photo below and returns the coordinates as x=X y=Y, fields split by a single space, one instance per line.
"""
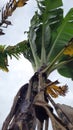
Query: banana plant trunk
x=30 y=109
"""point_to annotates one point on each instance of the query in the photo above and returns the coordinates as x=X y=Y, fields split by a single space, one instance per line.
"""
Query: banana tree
x=50 y=38
x=49 y=47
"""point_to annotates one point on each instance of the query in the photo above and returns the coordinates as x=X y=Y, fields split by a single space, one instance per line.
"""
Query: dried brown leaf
x=55 y=90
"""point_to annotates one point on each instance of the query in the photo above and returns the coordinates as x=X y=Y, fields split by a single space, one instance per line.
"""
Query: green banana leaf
x=49 y=33
x=62 y=36
x=67 y=70
x=46 y=19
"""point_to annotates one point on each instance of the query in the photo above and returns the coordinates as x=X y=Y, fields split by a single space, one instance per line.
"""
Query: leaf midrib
x=52 y=48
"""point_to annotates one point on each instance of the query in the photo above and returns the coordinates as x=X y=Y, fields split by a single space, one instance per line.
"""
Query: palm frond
x=10 y=51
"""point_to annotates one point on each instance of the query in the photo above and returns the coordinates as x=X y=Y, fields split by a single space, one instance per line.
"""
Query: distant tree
x=49 y=47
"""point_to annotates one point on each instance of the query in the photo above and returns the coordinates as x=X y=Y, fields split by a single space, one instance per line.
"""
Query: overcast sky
x=21 y=71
